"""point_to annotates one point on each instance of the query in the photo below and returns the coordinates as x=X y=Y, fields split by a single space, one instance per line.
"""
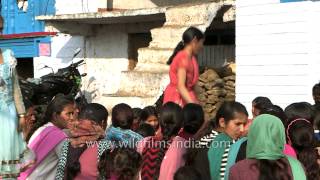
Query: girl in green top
x=232 y=117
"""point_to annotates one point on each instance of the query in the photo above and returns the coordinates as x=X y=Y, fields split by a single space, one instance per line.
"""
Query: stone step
x=167 y=36
x=110 y=100
x=191 y=14
x=154 y=55
x=143 y=84
x=152 y=67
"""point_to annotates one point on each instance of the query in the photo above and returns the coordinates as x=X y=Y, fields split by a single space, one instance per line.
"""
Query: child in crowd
x=120 y=130
x=136 y=118
x=193 y=118
x=120 y=164
x=154 y=149
x=149 y=115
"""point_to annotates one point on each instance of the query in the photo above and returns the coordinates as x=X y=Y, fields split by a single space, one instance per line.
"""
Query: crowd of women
x=175 y=142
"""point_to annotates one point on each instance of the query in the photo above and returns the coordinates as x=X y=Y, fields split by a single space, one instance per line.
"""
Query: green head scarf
x=266 y=138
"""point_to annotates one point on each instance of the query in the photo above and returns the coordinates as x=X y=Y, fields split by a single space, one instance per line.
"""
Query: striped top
x=206 y=140
x=224 y=161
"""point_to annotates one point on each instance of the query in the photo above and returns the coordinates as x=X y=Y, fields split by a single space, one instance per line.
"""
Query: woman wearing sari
x=265 y=157
x=46 y=138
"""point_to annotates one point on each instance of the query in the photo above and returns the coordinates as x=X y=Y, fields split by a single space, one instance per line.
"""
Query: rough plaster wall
x=276 y=51
x=107 y=56
x=78 y=6
x=84 y=6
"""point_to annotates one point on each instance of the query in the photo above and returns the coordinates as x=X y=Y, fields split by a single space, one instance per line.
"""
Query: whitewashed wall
x=85 y=6
x=107 y=56
x=277 y=51
x=105 y=53
x=78 y=6
x=62 y=50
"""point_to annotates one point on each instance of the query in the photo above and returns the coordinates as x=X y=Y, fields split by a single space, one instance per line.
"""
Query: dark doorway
x=136 y=41
x=25 y=68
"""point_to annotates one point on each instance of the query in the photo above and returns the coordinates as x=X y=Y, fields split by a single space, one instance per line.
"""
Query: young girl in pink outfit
x=184 y=70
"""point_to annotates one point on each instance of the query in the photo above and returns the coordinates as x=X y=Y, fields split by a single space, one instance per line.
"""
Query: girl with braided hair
x=153 y=149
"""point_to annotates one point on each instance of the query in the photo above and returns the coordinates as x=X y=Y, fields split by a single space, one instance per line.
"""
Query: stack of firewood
x=229 y=86
x=213 y=89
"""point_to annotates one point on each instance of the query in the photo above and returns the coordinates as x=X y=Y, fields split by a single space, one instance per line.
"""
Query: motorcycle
x=66 y=81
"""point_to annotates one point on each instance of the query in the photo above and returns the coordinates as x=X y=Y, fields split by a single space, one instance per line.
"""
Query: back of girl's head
x=148 y=111
x=299 y=110
x=317 y=122
x=124 y=163
x=302 y=138
x=187 y=37
x=122 y=116
x=56 y=106
x=316 y=93
x=171 y=119
x=301 y=134
x=137 y=113
x=193 y=118
x=229 y=111
x=261 y=102
x=187 y=173
x=27 y=103
x=276 y=111
x=145 y=130
x=94 y=112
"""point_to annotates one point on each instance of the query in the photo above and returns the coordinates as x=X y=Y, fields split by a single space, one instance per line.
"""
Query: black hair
x=316 y=93
x=94 y=112
x=122 y=162
x=276 y=111
x=273 y=169
x=193 y=117
x=303 y=141
x=187 y=37
x=261 y=102
x=122 y=116
x=228 y=111
x=147 y=112
x=56 y=106
x=145 y=130
x=27 y=103
x=137 y=113
x=171 y=119
x=317 y=122
x=299 y=110
x=187 y=173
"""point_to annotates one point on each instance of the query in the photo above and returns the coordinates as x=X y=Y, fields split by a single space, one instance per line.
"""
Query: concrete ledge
x=110 y=17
